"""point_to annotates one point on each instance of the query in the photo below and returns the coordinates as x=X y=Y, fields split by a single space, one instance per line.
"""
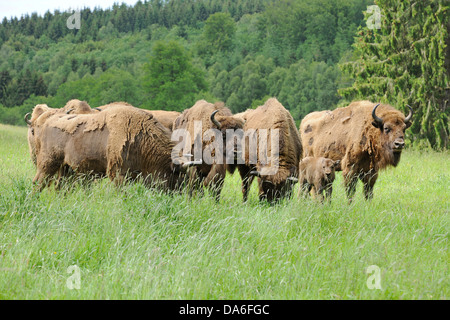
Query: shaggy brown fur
x=272 y=115
x=76 y=106
x=210 y=175
x=118 y=141
x=243 y=115
x=349 y=134
x=166 y=118
x=317 y=173
x=43 y=112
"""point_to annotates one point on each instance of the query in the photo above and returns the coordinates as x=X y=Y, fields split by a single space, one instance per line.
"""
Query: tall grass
x=136 y=243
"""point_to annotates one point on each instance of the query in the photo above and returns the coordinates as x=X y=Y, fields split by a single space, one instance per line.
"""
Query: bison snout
x=399 y=144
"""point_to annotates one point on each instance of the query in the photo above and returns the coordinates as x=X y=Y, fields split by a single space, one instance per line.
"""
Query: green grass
x=136 y=243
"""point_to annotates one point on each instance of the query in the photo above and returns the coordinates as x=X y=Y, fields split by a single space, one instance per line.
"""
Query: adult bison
x=43 y=112
x=199 y=123
x=365 y=136
x=166 y=118
x=119 y=141
x=278 y=173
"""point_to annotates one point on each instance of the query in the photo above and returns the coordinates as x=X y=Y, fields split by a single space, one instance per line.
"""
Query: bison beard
x=119 y=141
x=365 y=136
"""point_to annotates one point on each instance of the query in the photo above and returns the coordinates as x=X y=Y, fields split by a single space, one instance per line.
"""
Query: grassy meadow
x=135 y=243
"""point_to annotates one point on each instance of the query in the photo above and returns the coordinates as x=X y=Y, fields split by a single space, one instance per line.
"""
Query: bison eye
x=387 y=129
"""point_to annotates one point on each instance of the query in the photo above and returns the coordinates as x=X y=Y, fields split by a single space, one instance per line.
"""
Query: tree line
x=311 y=55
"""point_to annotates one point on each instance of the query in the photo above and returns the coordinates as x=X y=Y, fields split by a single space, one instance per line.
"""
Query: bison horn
x=409 y=116
x=255 y=173
x=69 y=111
x=213 y=119
x=377 y=119
x=98 y=109
x=27 y=121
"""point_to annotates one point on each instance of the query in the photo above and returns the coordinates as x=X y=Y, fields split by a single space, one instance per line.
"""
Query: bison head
x=328 y=168
x=225 y=123
x=392 y=128
x=30 y=120
x=274 y=187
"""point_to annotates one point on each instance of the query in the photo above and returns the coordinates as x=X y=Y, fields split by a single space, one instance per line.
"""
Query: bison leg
x=369 y=180
x=64 y=172
x=42 y=180
x=350 y=181
x=46 y=169
x=246 y=180
x=328 y=191
x=350 y=176
x=38 y=181
x=304 y=190
x=318 y=191
x=118 y=179
x=194 y=180
x=214 y=180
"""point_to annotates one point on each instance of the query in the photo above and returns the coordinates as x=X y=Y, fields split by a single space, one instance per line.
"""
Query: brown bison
x=317 y=174
x=210 y=117
x=166 y=118
x=120 y=141
x=277 y=176
x=43 y=112
x=365 y=136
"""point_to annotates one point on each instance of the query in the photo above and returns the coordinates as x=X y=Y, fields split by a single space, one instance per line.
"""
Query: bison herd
x=122 y=142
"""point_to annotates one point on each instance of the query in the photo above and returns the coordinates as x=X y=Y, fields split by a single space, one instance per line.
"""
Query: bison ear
x=377 y=125
x=40 y=109
x=408 y=124
x=337 y=163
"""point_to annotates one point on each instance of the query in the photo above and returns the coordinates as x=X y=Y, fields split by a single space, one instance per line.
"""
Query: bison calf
x=318 y=173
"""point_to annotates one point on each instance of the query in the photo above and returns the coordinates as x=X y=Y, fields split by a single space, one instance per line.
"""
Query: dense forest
x=310 y=54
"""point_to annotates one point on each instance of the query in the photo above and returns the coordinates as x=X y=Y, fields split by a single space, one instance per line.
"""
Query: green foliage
x=171 y=83
x=406 y=62
x=309 y=87
x=15 y=116
x=302 y=88
x=218 y=32
x=320 y=30
x=110 y=86
x=243 y=84
x=14 y=91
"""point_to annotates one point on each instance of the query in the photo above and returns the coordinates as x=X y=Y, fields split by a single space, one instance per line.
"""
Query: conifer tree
x=402 y=58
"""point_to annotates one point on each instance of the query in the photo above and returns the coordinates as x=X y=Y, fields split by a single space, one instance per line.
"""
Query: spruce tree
x=402 y=58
